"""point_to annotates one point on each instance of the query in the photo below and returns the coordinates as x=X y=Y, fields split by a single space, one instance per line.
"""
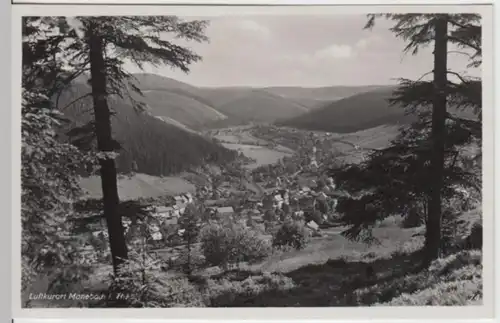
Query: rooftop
x=225 y=209
x=162 y=209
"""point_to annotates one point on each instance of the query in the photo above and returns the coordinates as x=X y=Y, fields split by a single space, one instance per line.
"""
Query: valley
x=208 y=108
x=257 y=161
x=271 y=159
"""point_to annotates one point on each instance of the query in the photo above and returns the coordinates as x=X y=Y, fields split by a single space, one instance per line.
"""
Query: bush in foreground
x=292 y=234
x=224 y=245
x=146 y=285
x=454 y=293
x=221 y=293
x=454 y=280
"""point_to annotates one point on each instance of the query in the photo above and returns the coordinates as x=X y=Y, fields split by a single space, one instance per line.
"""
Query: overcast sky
x=304 y=51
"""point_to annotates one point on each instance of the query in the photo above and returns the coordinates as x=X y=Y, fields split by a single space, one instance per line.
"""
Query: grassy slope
x=260 y=106
x=182 y=108
x=179 y=101
x=334 y=246
x=262 y=155
x=223 y=95
x=139 y=186
x=251 y=147
x=331 y=271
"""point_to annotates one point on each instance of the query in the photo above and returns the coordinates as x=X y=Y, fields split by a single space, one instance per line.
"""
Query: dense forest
x=146 y=144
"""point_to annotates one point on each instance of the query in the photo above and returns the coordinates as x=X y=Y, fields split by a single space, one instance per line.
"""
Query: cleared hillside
x=148 y=81
x=181 y=108
x=175 y=100
x=260 y=106
x=152 y=145
x=355 y=113
x=223 y=95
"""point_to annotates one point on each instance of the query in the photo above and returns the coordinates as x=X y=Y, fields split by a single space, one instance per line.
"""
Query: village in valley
x=262 y=196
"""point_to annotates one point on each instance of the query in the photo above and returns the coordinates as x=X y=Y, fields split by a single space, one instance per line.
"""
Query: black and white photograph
x=257 y=160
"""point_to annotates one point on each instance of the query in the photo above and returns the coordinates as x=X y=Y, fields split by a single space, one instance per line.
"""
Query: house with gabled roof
x=164 y=211
x=170 y=221
x=225 y=210
x=278 y=200
x=189 y=197
x=156 y=236
x=178 y=199
x=154 y=227
x=179 y=209
x=322 y=196
x=312 y=225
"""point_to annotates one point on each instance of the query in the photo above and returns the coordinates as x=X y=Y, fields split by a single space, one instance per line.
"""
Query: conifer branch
x=458 y=76
x=75 y=100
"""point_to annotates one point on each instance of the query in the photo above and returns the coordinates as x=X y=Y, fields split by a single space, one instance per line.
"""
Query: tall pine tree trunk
x=438 y=134
x=188 y=269
x=105 y=144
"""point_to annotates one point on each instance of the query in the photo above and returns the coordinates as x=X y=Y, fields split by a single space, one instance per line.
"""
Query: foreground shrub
x=179 y=292
x=145 y=285
x=392 y=221
x=223 y=292
x=454 y=280
x=188 y=261
x=454 y=293
x=411 y=246
x=291 y=234
x=229 y=244
x=384 y=292
x=444 y=266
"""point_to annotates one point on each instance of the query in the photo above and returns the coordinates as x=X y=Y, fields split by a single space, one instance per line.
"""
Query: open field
x=262 y=155
x=372 y=138
x=334 y=246
x=331 y=245
x=139 y=186
x=240 y=139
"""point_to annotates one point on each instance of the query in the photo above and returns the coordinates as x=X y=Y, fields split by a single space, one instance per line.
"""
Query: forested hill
x=355 y=113
x=360 y=112
x=154 y=146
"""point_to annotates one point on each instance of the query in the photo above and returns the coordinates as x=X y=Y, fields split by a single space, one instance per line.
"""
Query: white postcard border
x=399 y=313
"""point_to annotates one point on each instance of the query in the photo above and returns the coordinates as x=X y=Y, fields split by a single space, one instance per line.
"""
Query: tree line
x=57 y=51
x=427 y=170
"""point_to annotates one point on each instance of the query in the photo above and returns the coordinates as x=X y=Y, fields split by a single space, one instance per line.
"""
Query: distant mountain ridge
x=197 y=108
x=327 y=93
x=261 y=106
x=203 y=107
